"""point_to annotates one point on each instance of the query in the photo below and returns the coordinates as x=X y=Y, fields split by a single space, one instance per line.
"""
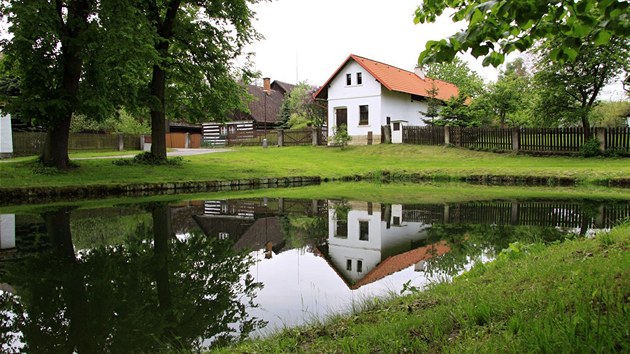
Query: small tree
x=433 y=105
x=341 y=136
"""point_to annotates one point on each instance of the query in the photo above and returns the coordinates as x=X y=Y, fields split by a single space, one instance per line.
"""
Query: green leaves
x=517 y=25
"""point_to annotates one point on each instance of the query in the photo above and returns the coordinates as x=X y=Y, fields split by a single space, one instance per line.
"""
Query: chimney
x=419 y=70
x=266 y=84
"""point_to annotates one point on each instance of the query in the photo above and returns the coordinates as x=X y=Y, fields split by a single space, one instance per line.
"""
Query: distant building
x=264 y=113
x=365 y=94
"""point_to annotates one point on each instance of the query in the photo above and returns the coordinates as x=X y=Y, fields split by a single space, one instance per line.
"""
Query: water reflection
x=151 y=292
x=155 y=277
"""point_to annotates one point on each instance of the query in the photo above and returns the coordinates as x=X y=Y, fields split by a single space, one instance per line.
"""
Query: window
x=396 y=127
x=363 y=115
x=348 y=79
x=396 y=221
x=389 y=120
x=341 y=229
x=359 y=78
x=364 y=230
x=369 y=208
x=348 y=264
x=359 y=266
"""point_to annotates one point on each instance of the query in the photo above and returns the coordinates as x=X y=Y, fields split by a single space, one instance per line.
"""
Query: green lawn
x=256 y=162
x=570 y=297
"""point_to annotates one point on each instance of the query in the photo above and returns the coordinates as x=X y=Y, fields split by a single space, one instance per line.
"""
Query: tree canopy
x=497 y=28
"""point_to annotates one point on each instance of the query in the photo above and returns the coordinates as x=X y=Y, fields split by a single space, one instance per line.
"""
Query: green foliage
x=457 y=72
x=610 y=114
x=497 y=28
x=433 y=106
x=300 y=109
x=590 y=148
x=341 y=136
x=566 y=92
x=121 y=122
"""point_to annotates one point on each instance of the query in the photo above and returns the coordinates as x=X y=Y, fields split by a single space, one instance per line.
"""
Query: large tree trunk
x=158 y=119
x=55 y=153
x=161 y=241
x=158 y=81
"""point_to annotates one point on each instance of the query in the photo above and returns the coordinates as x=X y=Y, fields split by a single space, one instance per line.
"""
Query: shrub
x=341 y=136
x=590 y=148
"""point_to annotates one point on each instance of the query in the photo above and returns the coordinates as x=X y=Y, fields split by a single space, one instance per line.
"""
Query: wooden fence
x=291 y=137
x=555 y=140
x=29 y=143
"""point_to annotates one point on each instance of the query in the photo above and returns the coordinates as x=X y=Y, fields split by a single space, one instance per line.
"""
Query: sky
x=308 y=40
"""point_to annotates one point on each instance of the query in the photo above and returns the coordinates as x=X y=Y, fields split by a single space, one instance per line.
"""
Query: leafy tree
x=300 y=109
x=458 y=73
x=341 y=136
x=610 y=114
x=497 y=28
x=197 y=42
x=72 y=56
x=568 y=91
x=433 y=106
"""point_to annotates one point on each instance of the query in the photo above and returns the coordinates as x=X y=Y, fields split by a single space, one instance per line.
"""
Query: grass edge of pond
x=567 y=297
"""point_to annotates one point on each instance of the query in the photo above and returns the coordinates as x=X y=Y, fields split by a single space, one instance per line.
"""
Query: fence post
x=314 y=136
x=280 y=137
x=516 y=139
x=447 y=135
x=600 y=133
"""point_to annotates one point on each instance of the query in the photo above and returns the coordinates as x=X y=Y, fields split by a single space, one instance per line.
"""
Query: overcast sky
x=307 y=40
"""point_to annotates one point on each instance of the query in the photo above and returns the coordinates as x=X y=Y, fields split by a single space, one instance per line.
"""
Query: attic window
x=359 y=78
x=348 y=79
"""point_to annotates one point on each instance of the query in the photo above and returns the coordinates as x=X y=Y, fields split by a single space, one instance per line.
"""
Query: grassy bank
x=571 y=297
x=396 y=193
x=434 y=162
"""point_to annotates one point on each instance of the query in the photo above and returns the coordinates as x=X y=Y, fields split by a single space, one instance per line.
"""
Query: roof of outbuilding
x=396 y=79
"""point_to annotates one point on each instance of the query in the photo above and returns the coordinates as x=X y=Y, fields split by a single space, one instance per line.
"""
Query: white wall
x=7 y=231
x=6 y=137
x=351 y=97
x=399 y=106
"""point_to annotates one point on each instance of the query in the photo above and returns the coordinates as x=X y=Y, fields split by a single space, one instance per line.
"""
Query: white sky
x=307 y=40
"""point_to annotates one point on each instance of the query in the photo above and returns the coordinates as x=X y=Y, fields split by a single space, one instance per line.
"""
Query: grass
x=255 y=162
x=397 y=193
x=570 y=297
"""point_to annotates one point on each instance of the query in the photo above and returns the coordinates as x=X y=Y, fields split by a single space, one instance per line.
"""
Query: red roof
x=396 y=79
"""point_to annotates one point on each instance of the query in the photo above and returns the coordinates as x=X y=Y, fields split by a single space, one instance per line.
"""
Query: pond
x=151 y=276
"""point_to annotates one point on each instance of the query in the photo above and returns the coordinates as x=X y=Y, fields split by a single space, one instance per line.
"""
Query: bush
x=341 y=136
x=590 y=148
x=147 y=158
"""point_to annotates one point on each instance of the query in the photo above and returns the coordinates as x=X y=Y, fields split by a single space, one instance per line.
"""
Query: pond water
x=152 y=276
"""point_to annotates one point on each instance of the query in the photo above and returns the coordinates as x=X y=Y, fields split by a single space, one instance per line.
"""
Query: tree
x=497 y=28
x=568 y=91
x=71 y=56
x=457 y=72
x=300 y=108
x=433 y=106
x=197 y=42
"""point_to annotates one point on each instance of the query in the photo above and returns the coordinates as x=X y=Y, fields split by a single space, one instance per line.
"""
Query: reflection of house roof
x=262 y=109
x=396 y=79
x=247 y=234
x=392 y=264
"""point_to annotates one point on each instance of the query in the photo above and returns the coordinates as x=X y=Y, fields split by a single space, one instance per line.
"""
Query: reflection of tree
x=301 y=231
x=151 y=293
x=468 y=242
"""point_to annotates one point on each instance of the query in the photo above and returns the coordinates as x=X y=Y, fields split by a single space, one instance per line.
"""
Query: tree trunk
x=161 y=240
x=55 y=153
x=587 y=127
x=158 y=119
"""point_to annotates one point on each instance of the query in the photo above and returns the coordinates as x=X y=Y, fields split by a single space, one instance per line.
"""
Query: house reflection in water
x=369 y=241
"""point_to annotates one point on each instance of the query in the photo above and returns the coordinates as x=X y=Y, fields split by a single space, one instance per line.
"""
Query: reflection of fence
x=556 y=214
x=29 y=143
x=563 y=140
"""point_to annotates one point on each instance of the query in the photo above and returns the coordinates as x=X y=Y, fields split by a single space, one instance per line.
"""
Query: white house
x=374 y=241
x=6 y=137
x=364 y=95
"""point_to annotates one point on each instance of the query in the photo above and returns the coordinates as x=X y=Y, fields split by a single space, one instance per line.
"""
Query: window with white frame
x=364 y=117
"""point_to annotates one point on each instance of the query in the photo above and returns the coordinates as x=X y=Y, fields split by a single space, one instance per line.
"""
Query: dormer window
x=359 y=78
x=348 y=79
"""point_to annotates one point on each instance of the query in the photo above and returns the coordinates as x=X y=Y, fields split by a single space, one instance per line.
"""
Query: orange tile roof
x=399 y=262
x=396 y=79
